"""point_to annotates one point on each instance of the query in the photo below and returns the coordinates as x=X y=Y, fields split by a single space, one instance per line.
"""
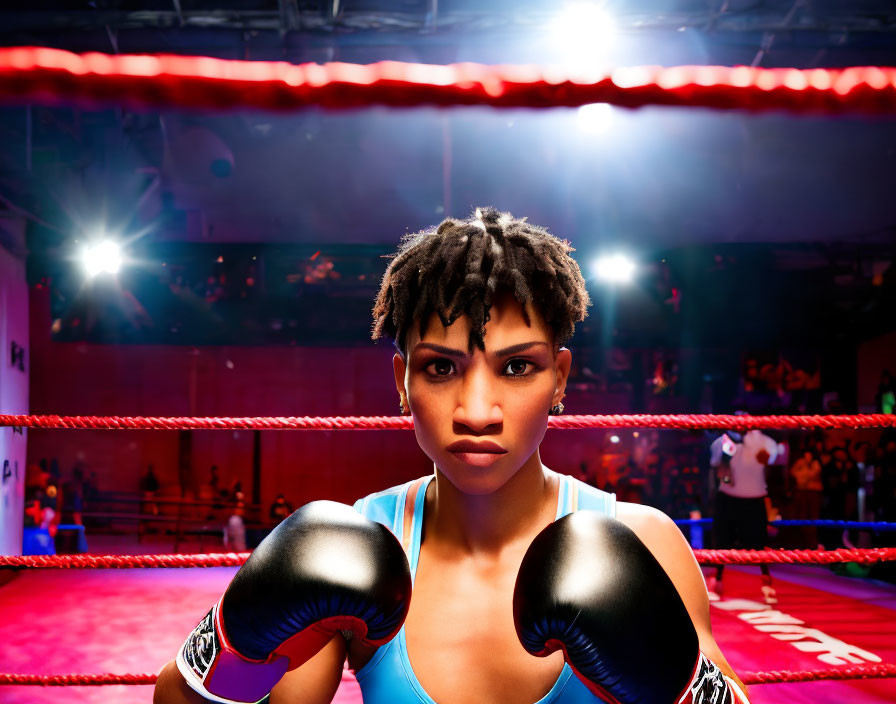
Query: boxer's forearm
x=171 y=688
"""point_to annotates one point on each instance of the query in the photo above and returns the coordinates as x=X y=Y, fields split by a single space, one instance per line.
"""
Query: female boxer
x=508 y=558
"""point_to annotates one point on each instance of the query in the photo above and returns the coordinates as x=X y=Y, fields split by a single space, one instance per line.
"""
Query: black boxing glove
x=590 y=587
x=323 y=570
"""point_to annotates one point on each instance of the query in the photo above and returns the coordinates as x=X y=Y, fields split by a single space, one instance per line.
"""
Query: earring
x=401 y=406
x=556 y=410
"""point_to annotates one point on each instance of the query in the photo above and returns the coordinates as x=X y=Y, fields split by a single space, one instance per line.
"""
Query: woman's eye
x=440 y=367
x=517 y=367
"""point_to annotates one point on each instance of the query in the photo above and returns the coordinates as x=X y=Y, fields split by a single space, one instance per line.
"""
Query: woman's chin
x=476 y=481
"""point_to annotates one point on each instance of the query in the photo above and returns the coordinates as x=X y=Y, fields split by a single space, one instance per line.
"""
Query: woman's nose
x=477 y=405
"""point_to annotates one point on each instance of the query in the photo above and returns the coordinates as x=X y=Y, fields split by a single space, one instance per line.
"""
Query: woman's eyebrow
x=516 y=349
x=451 y=352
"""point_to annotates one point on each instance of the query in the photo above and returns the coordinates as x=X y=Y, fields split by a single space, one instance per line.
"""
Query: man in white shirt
x=235 y=530
x=740 y=517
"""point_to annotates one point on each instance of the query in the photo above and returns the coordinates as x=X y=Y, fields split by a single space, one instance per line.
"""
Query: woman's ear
x=399 y=366
x=561 y=365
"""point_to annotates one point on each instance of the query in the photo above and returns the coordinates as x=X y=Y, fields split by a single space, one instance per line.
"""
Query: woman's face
x=481 y=416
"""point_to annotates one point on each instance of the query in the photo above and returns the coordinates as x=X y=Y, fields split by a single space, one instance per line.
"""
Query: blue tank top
x=388 y=677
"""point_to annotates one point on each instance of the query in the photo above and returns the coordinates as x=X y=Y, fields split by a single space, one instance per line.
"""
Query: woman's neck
x=483 y=525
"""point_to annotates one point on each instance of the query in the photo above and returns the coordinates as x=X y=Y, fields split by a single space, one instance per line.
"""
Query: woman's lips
x=478 y=453
x=479 y=459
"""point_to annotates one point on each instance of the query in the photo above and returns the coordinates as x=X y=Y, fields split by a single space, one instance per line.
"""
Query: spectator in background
x=73 y=497
x=864 y=457
x=741 y=518
x=236 y=491
x=820 y=450
x=49 y=504
x=807 y=497
x=149 y=482
x=280 y=509
x=149 y=486
x=215 y=490
x=214 y=480
x=41 y=498
x=235 y=529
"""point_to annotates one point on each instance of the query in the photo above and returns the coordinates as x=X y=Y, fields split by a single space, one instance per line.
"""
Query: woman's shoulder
x=666 y=543
x=648 y=523
x=385 y=506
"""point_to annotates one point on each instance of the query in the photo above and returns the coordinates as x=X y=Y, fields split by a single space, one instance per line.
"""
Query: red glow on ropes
x=225 y=559
x=667 y=422
x=76 y=680
x=833 y=673
x=38 y=74
x=750 y=678
x=233 y=559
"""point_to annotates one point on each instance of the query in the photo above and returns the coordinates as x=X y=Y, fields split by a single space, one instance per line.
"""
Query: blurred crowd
x=51 y=499
x=835 y=476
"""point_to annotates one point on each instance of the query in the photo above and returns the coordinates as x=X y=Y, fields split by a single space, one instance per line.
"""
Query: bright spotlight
x=614 y=439
x=595 y=118
x=101 y=257
x=614 y=269
x=584 y=25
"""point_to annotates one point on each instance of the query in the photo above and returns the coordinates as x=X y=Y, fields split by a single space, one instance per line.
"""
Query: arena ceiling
x=656 y=177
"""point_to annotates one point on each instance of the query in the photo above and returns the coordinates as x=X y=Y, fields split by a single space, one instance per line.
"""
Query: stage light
x=614 y=439
x=595 y=118
x=99 y=257
x=584 y=25
x=615 y=269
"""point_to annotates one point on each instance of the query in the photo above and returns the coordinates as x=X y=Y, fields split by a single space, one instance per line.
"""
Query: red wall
x=87 y=379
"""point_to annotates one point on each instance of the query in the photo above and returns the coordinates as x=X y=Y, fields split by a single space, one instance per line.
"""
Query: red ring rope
x=866 y=556
x=40 y=74
x=856 y=672
x=668 y=422
x=225 y=559
x=750 y=678
x=76 y=680
x=232 y=559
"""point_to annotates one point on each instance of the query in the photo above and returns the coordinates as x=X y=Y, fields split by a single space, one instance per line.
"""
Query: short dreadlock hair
x=457 y=269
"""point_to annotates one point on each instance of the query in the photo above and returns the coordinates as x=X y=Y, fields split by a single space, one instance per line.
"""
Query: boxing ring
x=743 y=620
x=847 y=636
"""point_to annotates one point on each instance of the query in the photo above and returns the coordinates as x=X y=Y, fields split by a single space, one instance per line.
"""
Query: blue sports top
x=388 y=677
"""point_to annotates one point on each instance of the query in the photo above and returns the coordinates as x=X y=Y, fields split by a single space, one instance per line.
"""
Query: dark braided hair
x=458 y=268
